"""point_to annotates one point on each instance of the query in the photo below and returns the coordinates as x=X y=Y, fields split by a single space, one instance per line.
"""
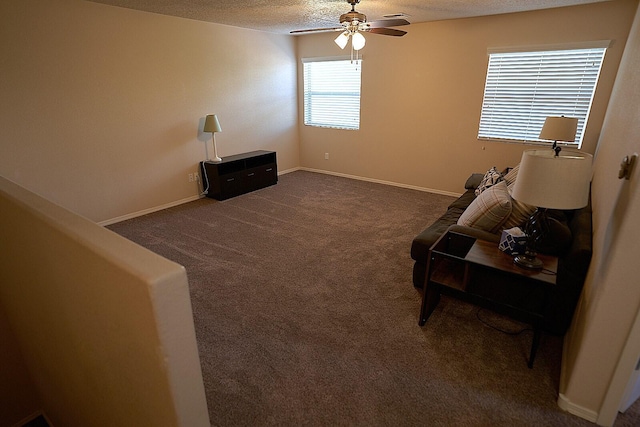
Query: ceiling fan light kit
x=354 y=23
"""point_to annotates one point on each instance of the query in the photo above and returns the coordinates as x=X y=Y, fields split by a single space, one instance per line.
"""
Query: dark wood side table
x=477 y=271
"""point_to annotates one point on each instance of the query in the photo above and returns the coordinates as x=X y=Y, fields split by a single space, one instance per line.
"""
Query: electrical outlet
x=196 y=176
x=326 y=156
x=190 y=177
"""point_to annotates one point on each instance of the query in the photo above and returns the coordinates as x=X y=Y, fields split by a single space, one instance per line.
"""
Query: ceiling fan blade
x=316 y=30
x=388 y=23
x=387 y=32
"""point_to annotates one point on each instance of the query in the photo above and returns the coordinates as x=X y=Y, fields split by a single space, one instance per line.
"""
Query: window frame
x=533 y=117
x=334 y=100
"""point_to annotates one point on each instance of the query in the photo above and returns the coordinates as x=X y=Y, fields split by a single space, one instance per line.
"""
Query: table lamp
x=548 y=179
x=559 y=129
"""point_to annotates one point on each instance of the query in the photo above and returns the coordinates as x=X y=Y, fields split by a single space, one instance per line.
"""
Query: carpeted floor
x=305 y=314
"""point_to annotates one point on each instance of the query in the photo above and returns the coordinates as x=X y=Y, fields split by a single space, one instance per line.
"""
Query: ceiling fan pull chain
x=357 y=53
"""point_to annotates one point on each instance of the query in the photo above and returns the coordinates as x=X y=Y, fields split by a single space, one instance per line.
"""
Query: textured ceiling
x=282 y=16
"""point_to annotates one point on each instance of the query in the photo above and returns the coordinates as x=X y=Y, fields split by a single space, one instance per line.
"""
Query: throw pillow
x=510 y=177
x=520 y=212
x=492 y=177
x=489 y=210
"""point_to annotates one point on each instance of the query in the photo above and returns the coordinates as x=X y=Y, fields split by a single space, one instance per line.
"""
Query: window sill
x=531 y=143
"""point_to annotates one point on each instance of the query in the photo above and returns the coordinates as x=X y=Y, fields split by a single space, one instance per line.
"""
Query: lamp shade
x=211 y=124
x=555 y=182
x=559 y=129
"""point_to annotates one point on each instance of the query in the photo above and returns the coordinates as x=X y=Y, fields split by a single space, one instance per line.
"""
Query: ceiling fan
x=353 y=23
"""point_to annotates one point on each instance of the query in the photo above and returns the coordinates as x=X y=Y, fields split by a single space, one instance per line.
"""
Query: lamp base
x=216 y=158
x=528 y=262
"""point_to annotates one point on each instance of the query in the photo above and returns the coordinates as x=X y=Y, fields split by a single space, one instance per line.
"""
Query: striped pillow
x=489 y=210
x=511 y=176
x=520 y=212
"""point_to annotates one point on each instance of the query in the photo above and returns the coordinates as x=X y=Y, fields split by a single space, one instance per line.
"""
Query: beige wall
x=611 y=298
x=101 y=106
x=103 y=326
x=422 y=94
x=18 y=396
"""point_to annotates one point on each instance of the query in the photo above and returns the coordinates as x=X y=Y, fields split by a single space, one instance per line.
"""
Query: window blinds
x=332 y=93
x=523 y=88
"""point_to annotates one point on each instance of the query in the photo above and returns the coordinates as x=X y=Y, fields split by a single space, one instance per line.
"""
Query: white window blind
x=523 y=88
x=332 y=93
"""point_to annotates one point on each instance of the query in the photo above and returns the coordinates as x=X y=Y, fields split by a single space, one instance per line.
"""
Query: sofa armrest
x=473 y=181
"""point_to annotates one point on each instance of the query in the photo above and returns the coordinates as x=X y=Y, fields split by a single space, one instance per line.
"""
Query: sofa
x=569 y=238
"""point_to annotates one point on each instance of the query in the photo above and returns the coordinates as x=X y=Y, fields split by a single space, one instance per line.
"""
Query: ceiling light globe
x=342 y=40
x=358 y=41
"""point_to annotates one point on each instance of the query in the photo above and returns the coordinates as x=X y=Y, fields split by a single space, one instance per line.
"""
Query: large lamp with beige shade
x=549 y=180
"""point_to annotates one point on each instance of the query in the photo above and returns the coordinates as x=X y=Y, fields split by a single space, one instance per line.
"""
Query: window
x=332 y=93
x=523 y=88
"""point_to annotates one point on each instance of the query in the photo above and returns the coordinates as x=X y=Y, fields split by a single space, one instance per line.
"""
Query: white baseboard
x=379 y=181
x=566 y=405
x=166 y=206
x=289 y=170
x=343 y=175
x=149 y=210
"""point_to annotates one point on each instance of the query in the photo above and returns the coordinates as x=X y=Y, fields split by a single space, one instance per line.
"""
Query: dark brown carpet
x=305 y=314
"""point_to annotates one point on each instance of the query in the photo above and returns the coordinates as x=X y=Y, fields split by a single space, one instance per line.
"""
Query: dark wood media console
x=239 y=174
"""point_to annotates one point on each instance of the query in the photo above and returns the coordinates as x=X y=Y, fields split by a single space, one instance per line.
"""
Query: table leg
x=430 y=300
x=534 y=345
